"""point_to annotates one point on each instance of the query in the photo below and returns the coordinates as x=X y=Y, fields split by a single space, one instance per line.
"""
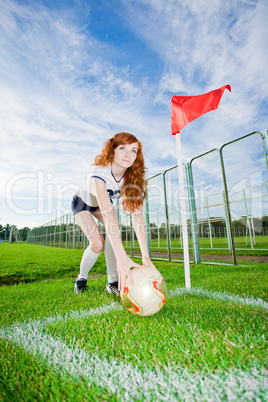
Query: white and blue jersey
x=87 y=192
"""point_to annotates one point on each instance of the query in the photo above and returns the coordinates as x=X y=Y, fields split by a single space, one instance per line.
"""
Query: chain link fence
x=227 y=214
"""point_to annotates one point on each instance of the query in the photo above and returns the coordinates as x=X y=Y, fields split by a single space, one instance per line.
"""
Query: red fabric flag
x=185 y=109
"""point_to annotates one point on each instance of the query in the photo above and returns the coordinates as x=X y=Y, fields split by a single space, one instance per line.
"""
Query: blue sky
x=73 y=73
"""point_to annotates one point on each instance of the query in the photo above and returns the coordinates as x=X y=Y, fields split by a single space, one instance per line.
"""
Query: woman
x=118 y=171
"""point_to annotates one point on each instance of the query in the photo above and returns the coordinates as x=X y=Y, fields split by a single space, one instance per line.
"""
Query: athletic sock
x=88 y=260
x=110 y=261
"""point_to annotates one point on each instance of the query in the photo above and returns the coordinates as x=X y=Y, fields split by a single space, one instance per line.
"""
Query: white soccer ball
x=148 y=294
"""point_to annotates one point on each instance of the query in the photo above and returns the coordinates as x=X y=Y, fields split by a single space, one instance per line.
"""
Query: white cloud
x=208 y=44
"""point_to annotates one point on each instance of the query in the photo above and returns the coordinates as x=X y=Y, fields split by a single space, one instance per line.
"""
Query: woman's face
x=125 y=155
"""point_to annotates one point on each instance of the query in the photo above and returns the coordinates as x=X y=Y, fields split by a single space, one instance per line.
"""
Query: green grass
x=23 y=262
x=190 y=333
x=193 y=332
x=220 y=246
x=24 y=379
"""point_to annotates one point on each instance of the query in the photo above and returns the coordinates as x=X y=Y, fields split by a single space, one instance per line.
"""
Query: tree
x=7 y=229
x=23 y=233
x=265 y=221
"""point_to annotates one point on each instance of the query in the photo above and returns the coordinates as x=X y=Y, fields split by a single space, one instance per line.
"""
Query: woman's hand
x=124 y=264
x=147 y=262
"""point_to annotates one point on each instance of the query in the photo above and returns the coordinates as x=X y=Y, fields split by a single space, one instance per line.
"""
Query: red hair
x=133 y=189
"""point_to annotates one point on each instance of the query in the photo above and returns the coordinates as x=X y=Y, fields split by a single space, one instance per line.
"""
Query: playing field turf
x=209 y=343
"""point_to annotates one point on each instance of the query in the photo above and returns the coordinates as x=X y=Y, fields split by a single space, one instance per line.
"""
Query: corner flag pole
x=183 y=215
x=185 y=109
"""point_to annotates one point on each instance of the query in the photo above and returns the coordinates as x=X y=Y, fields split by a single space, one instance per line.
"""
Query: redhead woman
x=118 y=171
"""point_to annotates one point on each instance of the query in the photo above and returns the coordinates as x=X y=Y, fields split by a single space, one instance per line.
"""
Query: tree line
x=260 y=223
x=5 y=232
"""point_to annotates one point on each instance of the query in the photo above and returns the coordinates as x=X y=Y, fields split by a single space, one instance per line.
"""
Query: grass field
x=206 y=344
x=220 y=246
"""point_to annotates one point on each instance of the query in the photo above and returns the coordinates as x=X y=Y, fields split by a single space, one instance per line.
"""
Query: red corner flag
x=185 y=109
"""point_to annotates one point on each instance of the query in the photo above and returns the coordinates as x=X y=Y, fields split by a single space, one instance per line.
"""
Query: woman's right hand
x=124 y=265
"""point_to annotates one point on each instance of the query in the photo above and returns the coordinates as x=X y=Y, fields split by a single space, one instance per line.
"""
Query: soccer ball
x=148 y=294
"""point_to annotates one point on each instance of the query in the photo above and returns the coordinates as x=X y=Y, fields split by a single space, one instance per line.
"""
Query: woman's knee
x=91 y=230
x=96 y=244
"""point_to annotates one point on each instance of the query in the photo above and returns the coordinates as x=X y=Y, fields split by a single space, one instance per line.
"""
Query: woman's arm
x=124 y=263
x=139 y=227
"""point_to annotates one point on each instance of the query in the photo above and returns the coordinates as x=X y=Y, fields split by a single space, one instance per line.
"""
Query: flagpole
x=183 y=215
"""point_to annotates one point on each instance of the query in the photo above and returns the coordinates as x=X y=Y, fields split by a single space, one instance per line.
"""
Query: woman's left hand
x=148 y=263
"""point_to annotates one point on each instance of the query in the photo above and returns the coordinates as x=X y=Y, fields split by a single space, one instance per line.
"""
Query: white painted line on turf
x=167 y=384
x=37 y=325
x=80 y=314
x=224 y=296
x=133 y=383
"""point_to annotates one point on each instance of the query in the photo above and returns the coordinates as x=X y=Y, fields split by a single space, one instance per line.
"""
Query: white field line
x=79 y=315
x=167 y=384
x=224 y=296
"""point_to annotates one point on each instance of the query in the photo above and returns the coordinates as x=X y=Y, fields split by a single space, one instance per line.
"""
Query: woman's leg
x=95 y=238
x=109 y=254
x=110 y=261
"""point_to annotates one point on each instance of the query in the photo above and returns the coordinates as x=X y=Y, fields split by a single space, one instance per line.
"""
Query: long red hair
x=133 y=189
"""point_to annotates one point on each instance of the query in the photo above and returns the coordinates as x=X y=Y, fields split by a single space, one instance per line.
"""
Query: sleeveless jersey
x=87 y=192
